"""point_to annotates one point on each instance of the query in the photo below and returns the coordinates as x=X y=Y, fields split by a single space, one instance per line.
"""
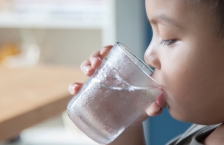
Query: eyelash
x=168 y=42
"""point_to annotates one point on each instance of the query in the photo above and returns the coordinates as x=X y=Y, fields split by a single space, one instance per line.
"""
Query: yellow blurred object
x=8 y=50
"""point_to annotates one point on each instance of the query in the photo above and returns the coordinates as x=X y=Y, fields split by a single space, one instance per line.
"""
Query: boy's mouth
x=161 y=101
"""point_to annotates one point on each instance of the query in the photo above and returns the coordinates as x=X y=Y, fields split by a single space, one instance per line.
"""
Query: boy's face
x=189 y=59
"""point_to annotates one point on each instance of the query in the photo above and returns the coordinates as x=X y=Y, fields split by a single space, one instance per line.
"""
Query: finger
x=154 y=110
x=74 y=88
x=95 y=62
x=105 y=50
x=95 y=59
x=96 y=54
x=87 y=68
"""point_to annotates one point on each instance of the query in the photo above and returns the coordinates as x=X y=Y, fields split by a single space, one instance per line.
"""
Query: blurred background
x=64 y=33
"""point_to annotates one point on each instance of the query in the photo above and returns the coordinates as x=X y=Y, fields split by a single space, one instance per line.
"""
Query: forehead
x=175 y=9
x=186 y=13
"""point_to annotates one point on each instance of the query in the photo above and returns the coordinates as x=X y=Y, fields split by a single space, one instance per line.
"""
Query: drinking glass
x=114 y=97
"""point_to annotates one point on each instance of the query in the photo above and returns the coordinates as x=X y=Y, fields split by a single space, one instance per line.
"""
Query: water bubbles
x=144 y=92
x=108 y=103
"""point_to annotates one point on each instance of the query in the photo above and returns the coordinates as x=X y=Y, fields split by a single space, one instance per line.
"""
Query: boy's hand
x=89 y=66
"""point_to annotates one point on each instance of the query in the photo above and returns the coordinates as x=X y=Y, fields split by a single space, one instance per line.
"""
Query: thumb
x=154 y=109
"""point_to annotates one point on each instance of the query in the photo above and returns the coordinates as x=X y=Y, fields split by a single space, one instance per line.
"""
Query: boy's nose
x=151 y=57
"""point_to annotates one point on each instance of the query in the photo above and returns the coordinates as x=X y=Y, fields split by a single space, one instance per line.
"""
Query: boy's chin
x=182 y=116
x=192 y=118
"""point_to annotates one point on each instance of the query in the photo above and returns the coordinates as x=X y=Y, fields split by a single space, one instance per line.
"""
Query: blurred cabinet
x=66 y=32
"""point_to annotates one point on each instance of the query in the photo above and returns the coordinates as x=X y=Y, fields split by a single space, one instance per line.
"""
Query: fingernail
x=87 y=68
x=71 y=88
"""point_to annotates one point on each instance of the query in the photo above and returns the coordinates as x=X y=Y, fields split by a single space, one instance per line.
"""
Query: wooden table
x=31 y=95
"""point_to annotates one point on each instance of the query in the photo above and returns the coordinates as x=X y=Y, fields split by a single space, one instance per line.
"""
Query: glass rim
x=137 y=61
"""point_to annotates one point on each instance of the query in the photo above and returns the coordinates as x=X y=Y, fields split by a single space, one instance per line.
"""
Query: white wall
x=130 y=26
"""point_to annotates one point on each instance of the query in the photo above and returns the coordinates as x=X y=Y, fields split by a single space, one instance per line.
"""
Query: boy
x=187 y=52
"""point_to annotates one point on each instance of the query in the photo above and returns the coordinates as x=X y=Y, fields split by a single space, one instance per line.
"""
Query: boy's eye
x=168 y=42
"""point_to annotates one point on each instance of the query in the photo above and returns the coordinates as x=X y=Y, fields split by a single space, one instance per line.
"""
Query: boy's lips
x=160 y=100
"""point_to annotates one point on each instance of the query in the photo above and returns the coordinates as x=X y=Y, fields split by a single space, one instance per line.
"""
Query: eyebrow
x=164 y=19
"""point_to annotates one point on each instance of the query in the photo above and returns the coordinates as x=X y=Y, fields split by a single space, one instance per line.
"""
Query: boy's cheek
x=175 y=81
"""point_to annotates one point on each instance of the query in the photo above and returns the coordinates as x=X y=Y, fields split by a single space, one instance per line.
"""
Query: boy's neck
x=216 y=137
